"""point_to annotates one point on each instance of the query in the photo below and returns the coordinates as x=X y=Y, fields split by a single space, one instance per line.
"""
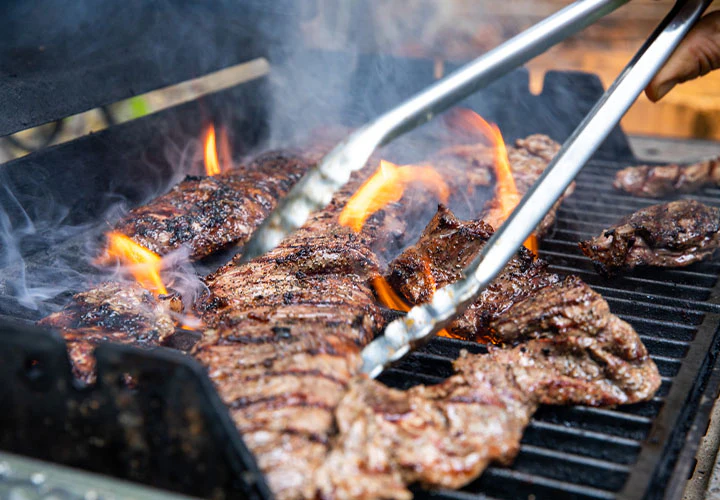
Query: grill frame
x=661 y=466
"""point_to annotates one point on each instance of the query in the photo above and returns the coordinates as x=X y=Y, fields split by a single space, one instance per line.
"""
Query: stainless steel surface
x=27 y=479
x=319 y=185
x=422 y=322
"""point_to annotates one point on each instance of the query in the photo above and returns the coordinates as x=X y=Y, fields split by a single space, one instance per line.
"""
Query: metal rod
x=422 y=322
x=318 y=186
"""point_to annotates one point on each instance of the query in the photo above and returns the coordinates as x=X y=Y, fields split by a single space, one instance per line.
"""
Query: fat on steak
x=658 y=181
x=207 y=214
x=674 y=234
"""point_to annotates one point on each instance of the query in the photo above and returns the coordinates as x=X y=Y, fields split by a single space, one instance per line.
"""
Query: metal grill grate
x=581 y=452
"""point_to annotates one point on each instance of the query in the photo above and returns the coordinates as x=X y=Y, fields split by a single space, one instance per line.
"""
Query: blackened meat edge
x=124 y=313
x=674 y=234
x=658 y=181
x=207 y=214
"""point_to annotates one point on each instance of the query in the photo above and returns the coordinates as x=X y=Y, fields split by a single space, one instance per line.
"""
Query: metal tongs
x=319 y=185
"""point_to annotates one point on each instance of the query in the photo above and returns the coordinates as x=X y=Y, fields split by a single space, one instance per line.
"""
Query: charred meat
x=123 y=313
x=673 y=234
x=207 y=214
x=287 y=330
x=659 y=181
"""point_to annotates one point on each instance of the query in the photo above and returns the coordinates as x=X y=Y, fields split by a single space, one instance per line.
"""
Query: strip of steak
x=207 y=214
x=659 y=181
x=117 y=312
x=287 y=330
x=444 y=250
x=568 y=349
x=674 y=234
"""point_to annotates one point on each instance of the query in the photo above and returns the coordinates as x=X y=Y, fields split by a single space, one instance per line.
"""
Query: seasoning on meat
x=287 y=332
x=207 y=214
x=674 y=234
x=571 y=350
x=123 y=313
x=659 y=181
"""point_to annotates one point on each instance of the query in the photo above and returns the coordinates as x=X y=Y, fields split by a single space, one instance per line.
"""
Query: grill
x=143 y=431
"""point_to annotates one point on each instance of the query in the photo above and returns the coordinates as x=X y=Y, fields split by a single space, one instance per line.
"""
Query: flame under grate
x=581 y=452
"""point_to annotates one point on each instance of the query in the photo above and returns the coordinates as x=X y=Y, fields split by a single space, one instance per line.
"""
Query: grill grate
x=593 y=451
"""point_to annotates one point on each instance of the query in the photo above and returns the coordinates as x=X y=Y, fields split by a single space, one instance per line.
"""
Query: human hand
x=697 y=55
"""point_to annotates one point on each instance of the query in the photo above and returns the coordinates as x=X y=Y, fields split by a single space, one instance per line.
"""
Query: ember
x=387 y=186
x=143 y=264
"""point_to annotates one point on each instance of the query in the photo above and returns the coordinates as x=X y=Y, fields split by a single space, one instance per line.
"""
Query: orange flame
x=387 y=296
x=212 y=163
x=387 y=186
x=143 y=264
x=506 y=193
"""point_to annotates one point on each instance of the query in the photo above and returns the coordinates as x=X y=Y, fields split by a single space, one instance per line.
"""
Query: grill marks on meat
x=444 y=249
x=123 y=313
x=445 y=435
x=558 y=343
x=208 y=214
x=674 y=234
x=659 y=181
x=287 y=332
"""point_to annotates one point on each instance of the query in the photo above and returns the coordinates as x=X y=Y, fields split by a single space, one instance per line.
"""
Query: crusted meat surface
x=445 y=248
x=674 y=234
x=288 y=328
x=659 y=181
x=123 y=313
x=207 y=214
x=445 y=435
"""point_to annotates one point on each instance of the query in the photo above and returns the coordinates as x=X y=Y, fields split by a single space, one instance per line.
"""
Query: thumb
x=697 y=55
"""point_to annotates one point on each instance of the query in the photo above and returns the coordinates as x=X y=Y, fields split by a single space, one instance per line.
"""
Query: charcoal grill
x=640 y=451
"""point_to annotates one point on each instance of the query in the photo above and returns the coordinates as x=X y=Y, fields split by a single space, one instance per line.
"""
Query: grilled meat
x=659 y=181
x=673 y=234
x=124 y=313
x=207 y=214
x=445 y=248
x=287 y=332
x=572 y=352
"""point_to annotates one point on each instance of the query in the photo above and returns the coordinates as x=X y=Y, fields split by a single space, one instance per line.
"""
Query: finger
x=697 y=55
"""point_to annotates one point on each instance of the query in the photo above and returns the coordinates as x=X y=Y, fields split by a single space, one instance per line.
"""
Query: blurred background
x=445 y=30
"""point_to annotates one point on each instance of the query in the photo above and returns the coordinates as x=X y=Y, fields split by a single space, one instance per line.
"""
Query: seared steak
x=124 y=313
x=445 y=248
x=656 y=182
x=673 y=234
x=287 y=329
x=571 y=352
x=207 y=214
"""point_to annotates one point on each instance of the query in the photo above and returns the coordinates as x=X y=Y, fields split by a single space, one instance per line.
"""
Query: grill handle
x=317 y=187
x=423 y=322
